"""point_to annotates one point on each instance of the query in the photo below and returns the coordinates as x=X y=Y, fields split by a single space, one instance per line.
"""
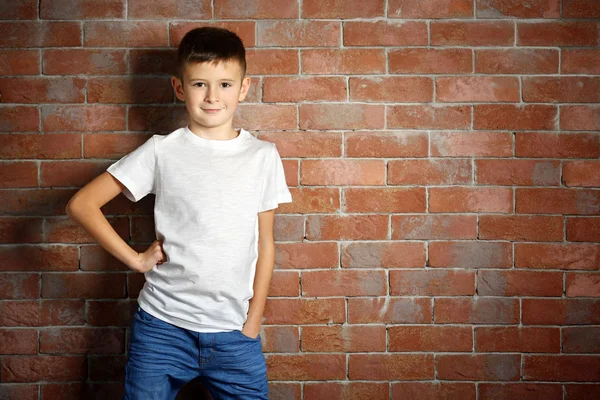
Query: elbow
x=72 y=207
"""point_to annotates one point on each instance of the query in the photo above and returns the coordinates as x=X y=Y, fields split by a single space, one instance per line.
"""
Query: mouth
x=211 y=110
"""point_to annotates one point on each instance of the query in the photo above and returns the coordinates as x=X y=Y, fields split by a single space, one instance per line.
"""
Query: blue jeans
x=163 y=357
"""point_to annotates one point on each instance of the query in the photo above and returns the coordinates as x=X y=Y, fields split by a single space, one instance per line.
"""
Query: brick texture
x=444 y=162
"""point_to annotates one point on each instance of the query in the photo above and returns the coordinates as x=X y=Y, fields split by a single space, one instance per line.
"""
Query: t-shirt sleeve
x=136 y=171
x=274 y=190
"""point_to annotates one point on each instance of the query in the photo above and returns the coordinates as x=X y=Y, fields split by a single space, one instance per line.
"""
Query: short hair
x=210 y=44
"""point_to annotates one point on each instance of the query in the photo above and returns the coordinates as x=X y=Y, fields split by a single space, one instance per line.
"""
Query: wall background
x=443 y=157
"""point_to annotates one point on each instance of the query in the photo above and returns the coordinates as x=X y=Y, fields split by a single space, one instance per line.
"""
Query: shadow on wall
x=193 y=390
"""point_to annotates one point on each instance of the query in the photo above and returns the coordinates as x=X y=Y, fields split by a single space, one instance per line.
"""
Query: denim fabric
x=163 y=357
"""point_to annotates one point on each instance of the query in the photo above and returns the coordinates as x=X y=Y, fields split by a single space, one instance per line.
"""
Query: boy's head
x=210 y=76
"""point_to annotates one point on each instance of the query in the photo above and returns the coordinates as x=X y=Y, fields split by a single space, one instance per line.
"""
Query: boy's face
x=212 y=92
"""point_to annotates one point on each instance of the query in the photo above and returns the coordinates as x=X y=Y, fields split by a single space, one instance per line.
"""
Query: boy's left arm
x=264 y=272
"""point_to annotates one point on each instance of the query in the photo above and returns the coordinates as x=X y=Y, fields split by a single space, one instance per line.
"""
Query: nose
x=212 y=95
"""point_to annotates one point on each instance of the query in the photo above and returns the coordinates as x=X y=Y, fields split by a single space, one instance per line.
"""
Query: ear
x=178 y=87
x=244 y=89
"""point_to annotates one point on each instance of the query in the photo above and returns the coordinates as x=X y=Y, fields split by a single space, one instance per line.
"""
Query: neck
x=223 y=132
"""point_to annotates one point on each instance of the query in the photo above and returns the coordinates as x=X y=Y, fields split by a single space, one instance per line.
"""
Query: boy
x=207 y=274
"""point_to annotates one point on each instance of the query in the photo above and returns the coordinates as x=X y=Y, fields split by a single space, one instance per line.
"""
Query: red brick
x=562 y=89
x=470 y=199
x=305 y=144
x=343 y=172
x=519 y=117
x=135 y=283
x=43 y=90
x=557 y=201
x=473 y=33
x=584 y=117
x=581 y=339
x=429 y=117
x=280 y=339
x=430 y=9
x=256 y=9
x=518 y=9
x=19 y=62
x=18 y=119
x=344 y=283
x=392 y=89
x=62 y=312
x=84 y=61
x=582 y=285
x=385 y=33
x=341 y=116
x=272 y=62
x=25 y=341
x=70 y=173
x=167 y=9
x=126 y=34
x=470 y=254
x=518 y=283
x=75 y=391
x=82 y=9
x=305 y=88
x=471 y=144
x=313 y=200
x=521 y=391
x=581 y=9
x=156 y=118
x=153 y=61
x=346 y=390
x=18 y=174
x=387 y=367
x=516 y=61
x=582 y=391
x=21 y=230
x=300 y=367
x=430 y=338
x=479 y=367
x=82 y=340
x=83 y=118
x=304 y=255
x=430 y=61
x=246 y=30
x=304 y=311
x=39 y=258
x=252 y=116
x=384 y=200
x=580 y=61
x=557 y=256
x=110 y=313
x=284 y=284
x=86 y=285
x=509 y=339
x=481 y=310
x=343 y=61
x=521 y=228
x=561 y=33
x=576 y=368
x=514 y=172
x=19 y=286
x=43 y=368
x=389 y=310
x=343 y=9
x=432 y=282
x=19 y=9
x=347 y=338
x=136 y=90
x=581 y=173
x=477 y=89
x=40 y=34
x=430 y=390
x=561 y=311
x=299 y=33
x=583 y=229
x=65 y=230
x=427 y=227
x=386 y=144
x=107 y=368
x=20 y=313
x=552 y=145
x=383 y=255
x=430 y=172
x=347 y=227
x=19 y=392
x=285 y=391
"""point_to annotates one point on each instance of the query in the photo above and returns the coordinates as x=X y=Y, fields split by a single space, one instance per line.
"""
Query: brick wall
x=443 y=157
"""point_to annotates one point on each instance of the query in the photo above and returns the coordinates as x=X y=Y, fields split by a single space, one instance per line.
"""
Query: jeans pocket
x=143 y=315
x=248 y=337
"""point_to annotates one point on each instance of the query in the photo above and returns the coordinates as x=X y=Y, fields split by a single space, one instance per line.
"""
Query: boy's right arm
x=84 y=208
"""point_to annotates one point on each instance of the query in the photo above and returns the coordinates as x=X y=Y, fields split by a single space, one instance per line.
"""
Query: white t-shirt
x=208 y=196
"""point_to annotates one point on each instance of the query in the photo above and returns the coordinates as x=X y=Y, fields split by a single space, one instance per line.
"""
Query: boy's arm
x=264 y=271
x=84 y=208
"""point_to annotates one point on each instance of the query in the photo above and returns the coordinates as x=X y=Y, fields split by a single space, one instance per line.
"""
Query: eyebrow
x=220 y=80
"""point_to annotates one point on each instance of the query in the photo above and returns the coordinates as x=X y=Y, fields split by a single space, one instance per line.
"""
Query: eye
x=199 y=84
x=225 y=84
